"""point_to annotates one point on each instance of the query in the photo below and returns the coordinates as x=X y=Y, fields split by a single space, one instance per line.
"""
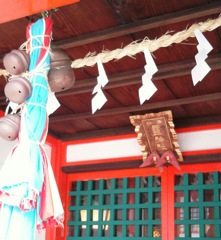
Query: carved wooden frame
x=155 y=132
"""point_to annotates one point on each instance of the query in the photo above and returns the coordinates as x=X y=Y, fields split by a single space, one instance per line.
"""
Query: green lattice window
x=116 y=208
x=198 y=206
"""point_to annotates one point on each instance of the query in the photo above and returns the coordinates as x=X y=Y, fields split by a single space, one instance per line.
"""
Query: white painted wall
x=128 y=147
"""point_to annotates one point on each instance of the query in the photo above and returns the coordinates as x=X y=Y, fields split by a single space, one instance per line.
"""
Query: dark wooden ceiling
x=94 y=26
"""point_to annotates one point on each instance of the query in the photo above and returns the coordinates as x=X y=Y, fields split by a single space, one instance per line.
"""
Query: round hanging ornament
x=18 y=89
x=61 y=75
x=9 y=127
x=16 y=62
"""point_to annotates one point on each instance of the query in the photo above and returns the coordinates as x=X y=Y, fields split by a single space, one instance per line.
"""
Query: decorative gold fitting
x=155 y=160
x=168 y=158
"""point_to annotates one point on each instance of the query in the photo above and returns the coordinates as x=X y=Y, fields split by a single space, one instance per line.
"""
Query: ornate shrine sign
x=156 y=133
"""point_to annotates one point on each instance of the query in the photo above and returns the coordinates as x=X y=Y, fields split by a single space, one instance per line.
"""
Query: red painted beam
x=2 y=113
x=14 y=9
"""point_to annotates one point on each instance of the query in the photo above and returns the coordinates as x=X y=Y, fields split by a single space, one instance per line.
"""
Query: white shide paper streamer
x=147 y=89
x=202 y=68
x=52 y=104
x=99 y=99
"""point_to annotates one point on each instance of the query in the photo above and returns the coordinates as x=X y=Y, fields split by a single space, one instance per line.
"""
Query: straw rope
x=136 y=47
x=4 y=73
x=153 y=45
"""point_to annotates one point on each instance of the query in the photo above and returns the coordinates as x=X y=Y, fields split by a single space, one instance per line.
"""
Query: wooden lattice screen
x=174 y=205
x=119 y=207
x=198 y=206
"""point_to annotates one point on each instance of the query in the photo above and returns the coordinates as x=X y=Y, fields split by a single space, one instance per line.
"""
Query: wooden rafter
x=165 y=71
x=137 y=108
x=188 y=122
x=133 y=77
x=142 y=25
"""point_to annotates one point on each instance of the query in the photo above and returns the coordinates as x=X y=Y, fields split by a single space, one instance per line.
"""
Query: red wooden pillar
x=131 y=212
x=62 y=186
x=53 y=233
x=169 y=213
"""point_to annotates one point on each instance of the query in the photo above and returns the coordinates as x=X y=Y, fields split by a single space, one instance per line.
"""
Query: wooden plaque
x=155 y=132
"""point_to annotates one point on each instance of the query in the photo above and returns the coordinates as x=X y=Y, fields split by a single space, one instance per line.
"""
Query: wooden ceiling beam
x=179 y=123
x=137 y=108
x=165 y=71
x=141 y=25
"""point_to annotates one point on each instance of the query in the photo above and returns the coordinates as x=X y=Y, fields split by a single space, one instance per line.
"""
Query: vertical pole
x=61 y=179
x=131 y=212
x=168 y=204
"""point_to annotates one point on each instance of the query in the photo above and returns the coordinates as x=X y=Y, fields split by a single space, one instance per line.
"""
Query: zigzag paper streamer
x=147 y=89
x=52 y=104
x=99 y=99
x=11 y=105
x=202 y=68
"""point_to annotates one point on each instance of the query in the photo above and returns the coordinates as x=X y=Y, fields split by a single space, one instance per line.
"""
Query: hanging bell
x=18 y=89
x=61 y=75
x=59 y=58
x=16 y=62
x=61 y=79
x=9 y=127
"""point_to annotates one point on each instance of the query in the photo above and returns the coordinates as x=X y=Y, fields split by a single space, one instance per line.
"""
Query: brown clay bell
x=61 y=75
x=61 y=79
x=16 y=62
x=18 y=89
x=9 y=127
x=59 y=58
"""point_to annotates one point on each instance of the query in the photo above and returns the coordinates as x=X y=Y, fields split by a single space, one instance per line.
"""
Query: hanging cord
x=136 y=47
x=49 y=13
